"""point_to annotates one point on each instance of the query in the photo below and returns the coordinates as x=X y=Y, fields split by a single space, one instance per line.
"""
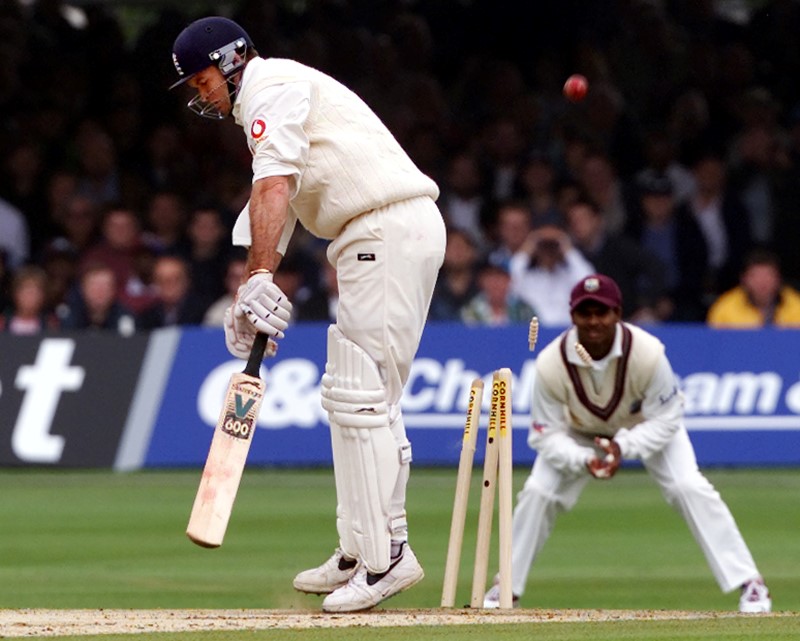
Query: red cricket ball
x=575 y=87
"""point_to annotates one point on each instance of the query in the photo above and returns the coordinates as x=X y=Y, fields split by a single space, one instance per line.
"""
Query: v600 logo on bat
x=241 y=410
x=238 y=428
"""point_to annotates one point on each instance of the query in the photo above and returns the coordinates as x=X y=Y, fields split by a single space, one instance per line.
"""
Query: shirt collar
x=603 y=363
x=236 y=111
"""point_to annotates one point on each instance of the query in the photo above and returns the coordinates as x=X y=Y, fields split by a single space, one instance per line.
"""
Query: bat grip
x=256 y=354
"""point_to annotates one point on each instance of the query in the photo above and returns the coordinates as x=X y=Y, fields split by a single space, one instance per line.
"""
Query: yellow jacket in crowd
x=734 y=309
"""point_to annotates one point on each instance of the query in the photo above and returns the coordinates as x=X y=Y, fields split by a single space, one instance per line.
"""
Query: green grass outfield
x=103 y=540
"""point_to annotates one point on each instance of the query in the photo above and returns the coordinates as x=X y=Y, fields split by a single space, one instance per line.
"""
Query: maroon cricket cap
x=596 y=287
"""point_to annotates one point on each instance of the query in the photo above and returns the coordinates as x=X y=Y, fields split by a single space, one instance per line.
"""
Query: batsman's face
x=596 y=324
x=212 y=89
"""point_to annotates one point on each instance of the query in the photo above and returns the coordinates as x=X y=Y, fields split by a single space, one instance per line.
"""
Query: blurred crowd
x=678 y=175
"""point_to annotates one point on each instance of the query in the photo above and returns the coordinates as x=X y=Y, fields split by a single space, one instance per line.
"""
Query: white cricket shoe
x=366 y=590
x=755 y=597
x=329 y=576
x=491 y=599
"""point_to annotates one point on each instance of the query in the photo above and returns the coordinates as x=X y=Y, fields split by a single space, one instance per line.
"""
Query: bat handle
x=256 y=355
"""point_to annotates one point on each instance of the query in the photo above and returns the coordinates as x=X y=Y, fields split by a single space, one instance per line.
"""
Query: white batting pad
x=366 y=457
x=344 y=509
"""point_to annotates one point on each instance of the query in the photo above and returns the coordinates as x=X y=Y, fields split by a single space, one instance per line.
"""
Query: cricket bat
x=228 y=452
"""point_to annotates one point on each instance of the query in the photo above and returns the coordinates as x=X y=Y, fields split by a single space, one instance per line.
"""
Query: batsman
x=322 y=157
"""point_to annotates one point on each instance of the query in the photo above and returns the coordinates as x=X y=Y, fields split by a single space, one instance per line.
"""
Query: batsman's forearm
x=269 y=205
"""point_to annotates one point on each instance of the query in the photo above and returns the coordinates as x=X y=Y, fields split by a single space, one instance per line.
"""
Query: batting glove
x=240 y=334
x=606 y=467
x=264 y=305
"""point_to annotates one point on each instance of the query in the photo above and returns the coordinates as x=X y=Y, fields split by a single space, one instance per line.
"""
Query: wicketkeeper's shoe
x=492 y=598
x=366 y=590
x=329 y=576
x=755 y=597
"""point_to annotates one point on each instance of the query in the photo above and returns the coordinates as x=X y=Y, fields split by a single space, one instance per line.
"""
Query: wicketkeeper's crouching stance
x=605 y=391
x=322 y=157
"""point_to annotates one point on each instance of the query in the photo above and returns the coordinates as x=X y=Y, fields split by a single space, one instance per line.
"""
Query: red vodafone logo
x=258 y=128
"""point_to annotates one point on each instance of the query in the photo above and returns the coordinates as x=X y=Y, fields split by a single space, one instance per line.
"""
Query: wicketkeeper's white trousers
x=548 y=492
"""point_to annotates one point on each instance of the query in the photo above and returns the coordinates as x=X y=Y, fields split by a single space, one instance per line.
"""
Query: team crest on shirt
x=258 y=129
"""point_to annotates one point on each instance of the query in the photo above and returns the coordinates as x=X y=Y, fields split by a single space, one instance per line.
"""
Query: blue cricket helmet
x=209 y=41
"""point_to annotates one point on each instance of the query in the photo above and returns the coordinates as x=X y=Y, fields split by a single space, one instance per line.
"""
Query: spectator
x=675 y=239
x=291 y=278
x=511 y=229
x=463 y=202
x=640 y=276
x=174 y=304
x=62 y=185
x=600 y=182
x=168 y=162
x=60 y=263
x=722 y=219
x=577 y=146
x=504 y=148
x=25 y=189
x=569 y=192
x=99 y=178
x=544 y=270
x=495 y=305
x=14 y=238
x=28 y=313
x=758 y=159
x=537 y=186
x=458 y=279
x=610 y=120
x=661 y=156
x=208 y=251
x=121 y=247
x=425 y=147
x=166 y=218
x=96 y=304
x=234 y=276
x=79 y=224
x=761 y=298
x=5 y=279
x=689 y=121
x=323 y=301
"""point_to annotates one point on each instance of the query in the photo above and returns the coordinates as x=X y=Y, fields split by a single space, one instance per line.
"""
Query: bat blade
x=227 y=455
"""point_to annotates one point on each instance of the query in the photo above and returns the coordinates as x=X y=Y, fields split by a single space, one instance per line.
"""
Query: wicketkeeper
x=616 y=398
x=322 y=157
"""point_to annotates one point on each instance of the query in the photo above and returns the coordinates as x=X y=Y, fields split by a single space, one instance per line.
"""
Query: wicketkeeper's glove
x=606 y=467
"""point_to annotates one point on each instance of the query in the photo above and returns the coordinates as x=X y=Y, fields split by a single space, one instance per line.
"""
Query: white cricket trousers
x=387 y=262
x=548 y=492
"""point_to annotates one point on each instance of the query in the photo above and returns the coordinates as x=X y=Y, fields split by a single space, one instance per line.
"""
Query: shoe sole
x=311 y=589
x=411 y=582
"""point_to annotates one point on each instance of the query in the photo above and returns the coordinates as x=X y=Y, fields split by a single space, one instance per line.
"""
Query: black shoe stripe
x=372 y=579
